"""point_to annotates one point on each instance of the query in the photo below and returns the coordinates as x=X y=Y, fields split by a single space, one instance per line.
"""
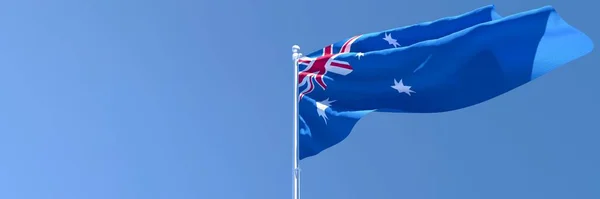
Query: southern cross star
x=401 y=88
x=390 y=40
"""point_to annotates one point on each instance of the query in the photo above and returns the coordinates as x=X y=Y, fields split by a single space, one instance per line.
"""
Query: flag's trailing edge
x=439 y=66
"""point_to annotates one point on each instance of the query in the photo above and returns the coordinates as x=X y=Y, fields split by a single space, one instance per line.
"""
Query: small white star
x=401 y=88
x=322 y=106
x=358 y=55
x=390 y=40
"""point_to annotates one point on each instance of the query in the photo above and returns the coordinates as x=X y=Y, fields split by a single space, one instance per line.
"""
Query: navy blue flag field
x=439 y=66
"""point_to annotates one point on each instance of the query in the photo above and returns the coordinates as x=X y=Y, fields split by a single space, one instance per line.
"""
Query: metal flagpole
x=295 y=56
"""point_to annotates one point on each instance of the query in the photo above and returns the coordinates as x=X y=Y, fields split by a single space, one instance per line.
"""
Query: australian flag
x=438 y=66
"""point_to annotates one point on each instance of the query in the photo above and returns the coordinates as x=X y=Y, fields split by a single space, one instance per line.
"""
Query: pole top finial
x=295 y=48
x=296 y=52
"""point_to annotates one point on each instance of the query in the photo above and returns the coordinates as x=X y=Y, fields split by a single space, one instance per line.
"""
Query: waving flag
x=439 y=66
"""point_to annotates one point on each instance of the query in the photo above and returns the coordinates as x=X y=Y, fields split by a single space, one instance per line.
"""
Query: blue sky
x=193 y=99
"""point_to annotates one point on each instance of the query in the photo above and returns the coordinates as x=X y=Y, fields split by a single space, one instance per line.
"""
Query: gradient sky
x=182 y=99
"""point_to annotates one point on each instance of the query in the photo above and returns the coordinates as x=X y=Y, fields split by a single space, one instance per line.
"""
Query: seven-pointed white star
x=401 y=88
x=322 y=106
x=390 y=40
x=360 y=55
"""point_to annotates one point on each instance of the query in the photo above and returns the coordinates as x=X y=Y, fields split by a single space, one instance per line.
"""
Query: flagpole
x=295 y=56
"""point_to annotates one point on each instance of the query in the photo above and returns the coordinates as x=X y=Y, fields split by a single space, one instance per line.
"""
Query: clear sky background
x=188 y=99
